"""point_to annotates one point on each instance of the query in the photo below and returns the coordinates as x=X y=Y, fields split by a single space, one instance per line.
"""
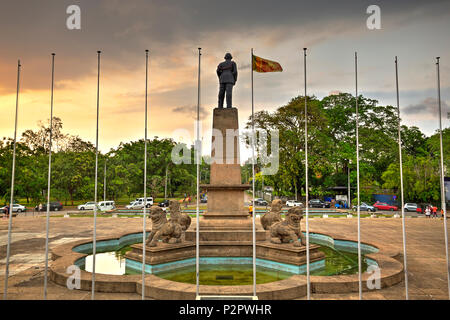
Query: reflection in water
x=107 y=263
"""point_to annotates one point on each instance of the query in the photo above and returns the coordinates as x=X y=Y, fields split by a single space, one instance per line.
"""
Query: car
x=17 y=208
x=204 y=199
x=134 y=205
x=261 y=202
x=365 y=207
x=106 y=205
x=164 y=203
x=412 y=207
x=87 y=206
x=385 y=206
x=294 y=203
x=149 y=201
x=54 y=206
x=317 y=203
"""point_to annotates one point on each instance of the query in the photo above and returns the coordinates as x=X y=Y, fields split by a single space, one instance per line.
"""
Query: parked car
x=294 y=203
x=54 y=206
x=365 y=207
x=17 y=208
x=149 y=201
x=87 y=206
x=261 y=202
x=106 y=205
x=412 y=207
x=385 y=206
x=204 y=199
x=135 y=205
x=317 y=203
x=164 y=203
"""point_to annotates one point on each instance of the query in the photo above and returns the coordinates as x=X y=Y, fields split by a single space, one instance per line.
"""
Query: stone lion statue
x=162 y=229
x=177 y=216
x=273 y=216
x=288 y=229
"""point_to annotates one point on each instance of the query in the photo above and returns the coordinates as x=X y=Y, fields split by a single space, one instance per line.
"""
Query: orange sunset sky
x=415 y=31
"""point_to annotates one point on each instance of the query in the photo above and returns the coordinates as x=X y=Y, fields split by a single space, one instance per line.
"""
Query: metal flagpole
x=357 y=179
x=405 y=264
x=48 y=179
x=197 y=238
x=11 y=202
x=144 y=216
x=253 y=183
x=104 y=183
x=349 y=201
x=94 y=242
x=443 y=205
x=308 y=280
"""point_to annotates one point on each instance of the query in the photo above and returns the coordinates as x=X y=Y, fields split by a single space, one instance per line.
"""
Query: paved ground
x=425 y=245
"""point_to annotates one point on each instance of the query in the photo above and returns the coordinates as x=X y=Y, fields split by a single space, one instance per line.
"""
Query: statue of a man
x=227 y=73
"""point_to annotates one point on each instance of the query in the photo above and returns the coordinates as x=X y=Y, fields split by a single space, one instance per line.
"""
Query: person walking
x=434 y=212
x=250 y=210
x=428 y=212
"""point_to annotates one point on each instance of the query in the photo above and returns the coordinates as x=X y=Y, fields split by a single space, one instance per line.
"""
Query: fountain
x=226 y=246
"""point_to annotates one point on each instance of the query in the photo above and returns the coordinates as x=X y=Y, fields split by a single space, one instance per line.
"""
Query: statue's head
x=156 y=213
x=276 y=205
x=174 y=206
x=228 y=56
x=294 y=216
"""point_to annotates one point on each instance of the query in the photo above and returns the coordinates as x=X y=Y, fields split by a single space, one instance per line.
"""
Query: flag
x=264 y=65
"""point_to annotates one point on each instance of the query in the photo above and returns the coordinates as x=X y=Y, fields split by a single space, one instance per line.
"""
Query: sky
x=415 y=31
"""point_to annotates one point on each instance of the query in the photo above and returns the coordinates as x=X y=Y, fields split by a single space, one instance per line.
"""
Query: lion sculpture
x=162 y=229
x=176 y=215
x=273 y=216
x=289 y=229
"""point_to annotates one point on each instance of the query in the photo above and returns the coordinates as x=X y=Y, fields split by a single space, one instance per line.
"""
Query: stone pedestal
x=226 y=218
x=287 y=253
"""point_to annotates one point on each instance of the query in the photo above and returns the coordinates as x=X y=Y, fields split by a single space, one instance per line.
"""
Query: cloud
x=427 y=106
x=191 y=111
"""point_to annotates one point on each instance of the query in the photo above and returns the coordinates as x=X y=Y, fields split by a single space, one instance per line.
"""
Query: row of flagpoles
x=258 y=65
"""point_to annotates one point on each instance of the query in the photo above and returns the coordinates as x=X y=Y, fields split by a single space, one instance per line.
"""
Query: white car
x=149 y=201
x=16 y=208
x=87 y=206
x=294 y=203
x=106 y=205
x=135 y=205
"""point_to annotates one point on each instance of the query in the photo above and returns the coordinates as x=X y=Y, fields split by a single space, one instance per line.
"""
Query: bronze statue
x=273 y=216
x=182 y=218
x=227 y=73
x=289 y=229
x=167 y=231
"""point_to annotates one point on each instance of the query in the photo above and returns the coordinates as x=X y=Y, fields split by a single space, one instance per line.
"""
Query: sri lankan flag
x=264 y=65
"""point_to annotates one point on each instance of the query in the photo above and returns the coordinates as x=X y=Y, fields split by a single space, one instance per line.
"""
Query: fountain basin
x=156 y=287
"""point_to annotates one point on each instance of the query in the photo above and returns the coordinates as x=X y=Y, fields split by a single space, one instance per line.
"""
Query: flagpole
x=104 y=181
x=443 y=204
x=48 y=179
x=11 y=202
x=308 y=280
x=144 y=220
x=405 y=262
x=94 y=242
x=197 y=238
x=357 y=179
x=253 y=181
